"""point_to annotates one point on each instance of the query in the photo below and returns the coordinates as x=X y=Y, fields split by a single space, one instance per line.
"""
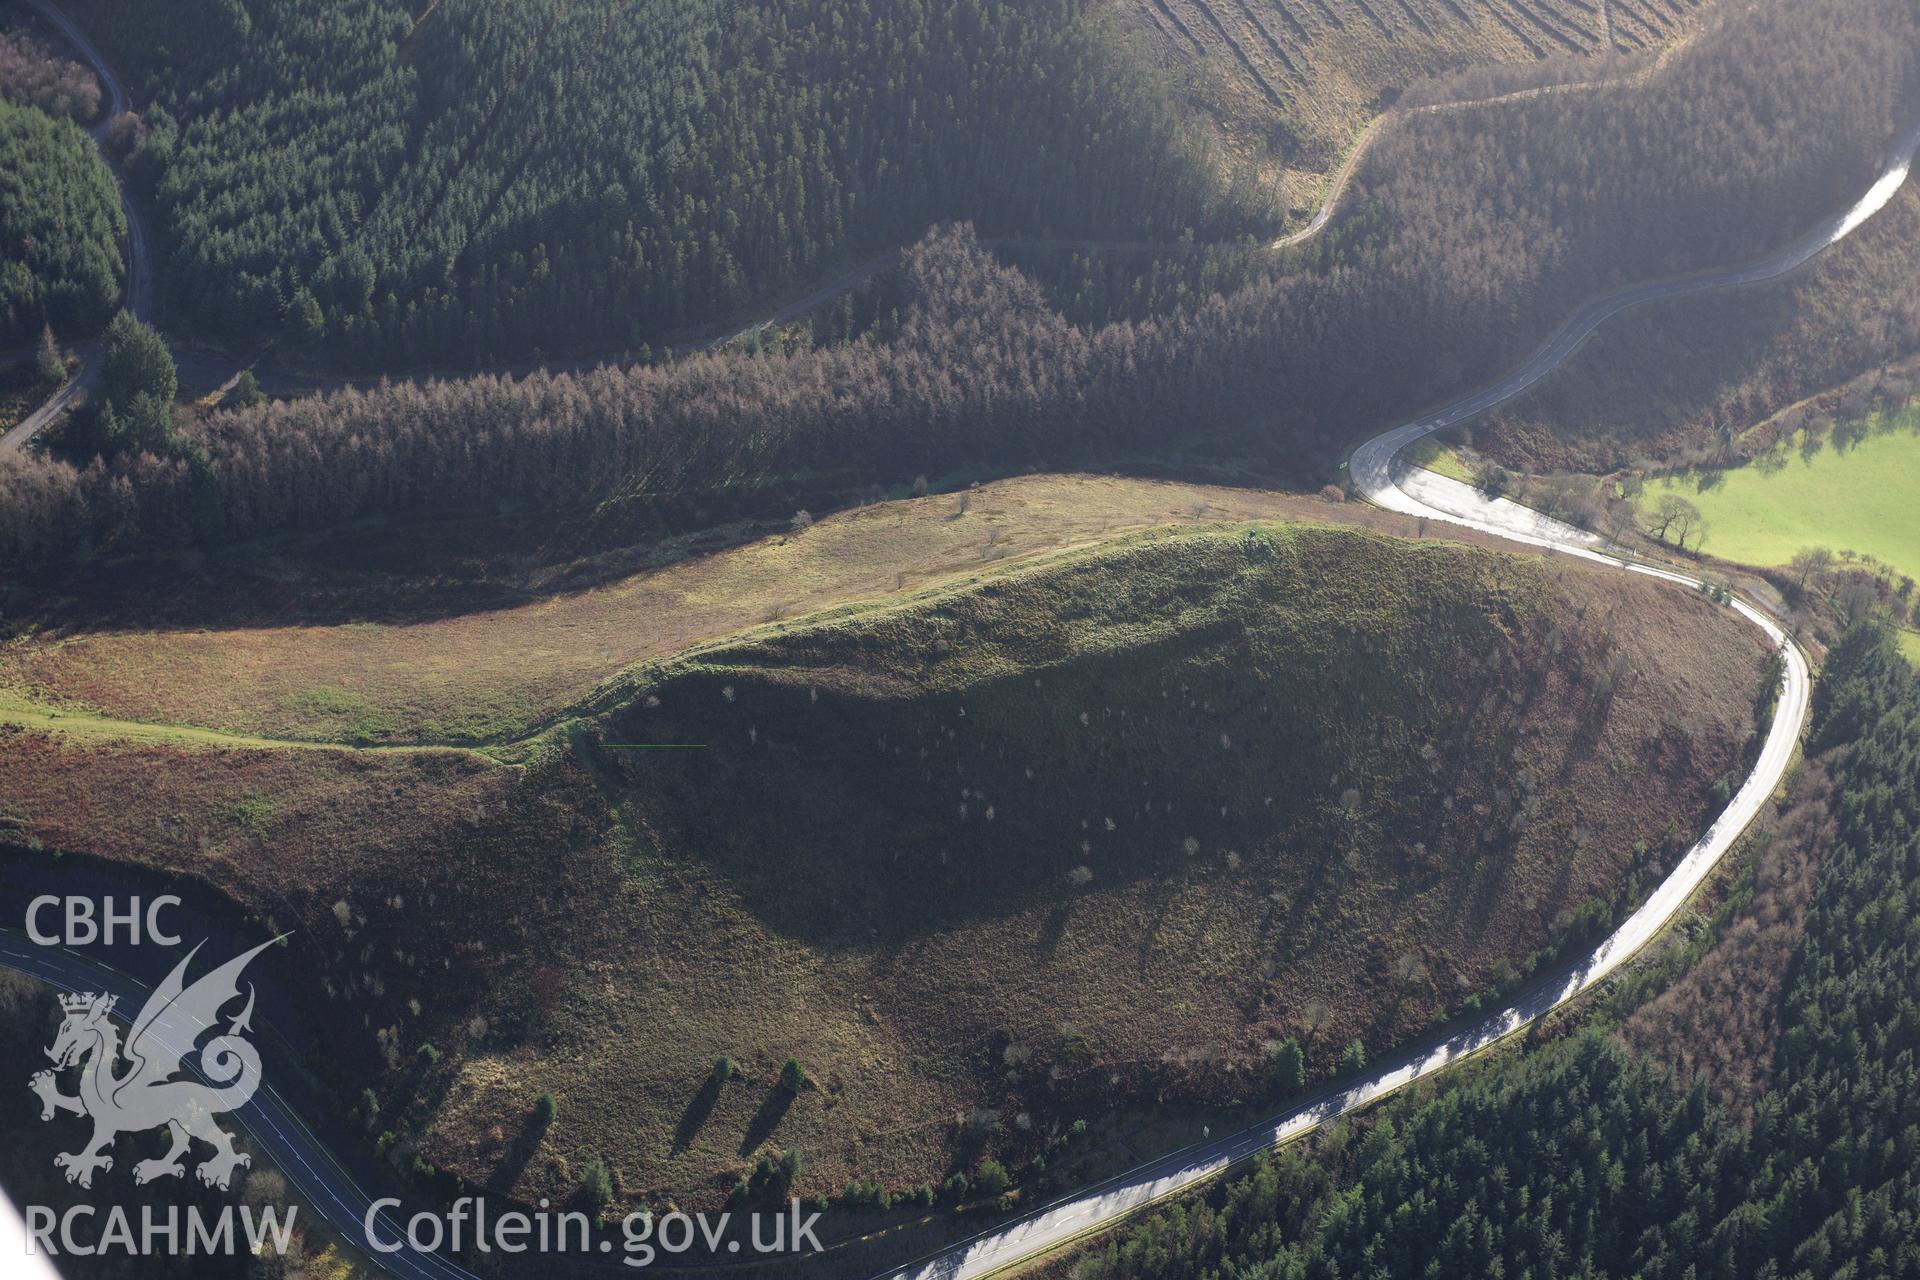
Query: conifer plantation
x=60 y=219
x=503 y=179
x=1464 y=243
x=1581 y=1160
x=1091 y=639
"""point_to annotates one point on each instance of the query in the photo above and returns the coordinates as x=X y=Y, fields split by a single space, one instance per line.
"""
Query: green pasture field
x=1863 y=497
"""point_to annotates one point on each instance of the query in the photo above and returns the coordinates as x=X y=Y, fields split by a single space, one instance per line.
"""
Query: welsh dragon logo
x=144 y=1094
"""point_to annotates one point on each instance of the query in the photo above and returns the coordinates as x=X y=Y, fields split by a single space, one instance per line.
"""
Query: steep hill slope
x=1004 y=856
x=1576 y=1158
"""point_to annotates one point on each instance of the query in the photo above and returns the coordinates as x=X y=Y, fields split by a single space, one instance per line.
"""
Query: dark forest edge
x=490 y=182
x=1581 y=1159
x=1738 y=143
x=1584 y=1160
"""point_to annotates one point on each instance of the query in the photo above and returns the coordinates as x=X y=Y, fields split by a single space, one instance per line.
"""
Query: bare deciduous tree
x=1808 y=563
x=1673 y=519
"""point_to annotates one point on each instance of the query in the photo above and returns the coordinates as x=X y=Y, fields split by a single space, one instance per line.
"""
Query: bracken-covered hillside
x=1003 y=856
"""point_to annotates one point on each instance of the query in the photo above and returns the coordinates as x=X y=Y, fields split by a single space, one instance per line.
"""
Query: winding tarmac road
x=213 y=368
x=332 y=1191
x=276 y=1128
x=1398 y=486
x=283 y=1137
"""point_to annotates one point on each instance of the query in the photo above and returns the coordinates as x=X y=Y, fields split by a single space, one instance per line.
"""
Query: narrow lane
x=291 y=1144
x=275 y=1128
x=1390 y=483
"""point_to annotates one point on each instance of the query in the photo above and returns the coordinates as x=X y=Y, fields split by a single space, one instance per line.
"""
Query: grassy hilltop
x=260 y=659
x=937 y=852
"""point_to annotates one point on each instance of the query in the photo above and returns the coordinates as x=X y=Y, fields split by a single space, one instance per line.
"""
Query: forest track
x=286 y=1139
x=220 y=371
x=1399 y=487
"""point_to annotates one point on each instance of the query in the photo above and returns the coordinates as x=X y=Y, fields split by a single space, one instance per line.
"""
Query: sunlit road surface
x=1373 y=463
x=1059 y=1225
x=290 y=1144
x=1397 y=486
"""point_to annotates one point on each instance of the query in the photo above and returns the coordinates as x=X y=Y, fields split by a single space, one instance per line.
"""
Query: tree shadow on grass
x=767 y=1119
x=1052 y=931
x=695 y=1116
x=507 y=1172
x=1150 y=935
